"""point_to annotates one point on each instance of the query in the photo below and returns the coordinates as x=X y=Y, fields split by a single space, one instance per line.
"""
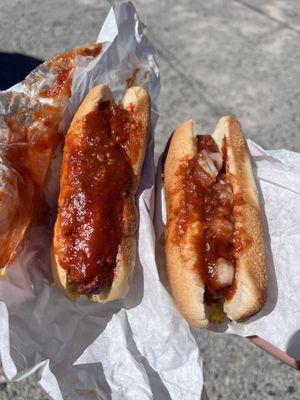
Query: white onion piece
x=218 y=160
x=224 y=273
x=207 y=164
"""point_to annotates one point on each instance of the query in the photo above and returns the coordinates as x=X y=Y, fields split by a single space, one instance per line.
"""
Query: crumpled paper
x=136 y=348
x=277 y=175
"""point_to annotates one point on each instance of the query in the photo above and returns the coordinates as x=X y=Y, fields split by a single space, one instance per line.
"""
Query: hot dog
x=94 y=244
x=214 y=242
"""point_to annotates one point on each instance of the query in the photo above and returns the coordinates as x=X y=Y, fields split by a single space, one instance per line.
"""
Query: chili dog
x=94 y=244
x=214 y=241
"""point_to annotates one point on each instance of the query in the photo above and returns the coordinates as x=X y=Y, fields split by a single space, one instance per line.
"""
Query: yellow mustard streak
x=73 y=291
x=217 y=313
x=3 y=275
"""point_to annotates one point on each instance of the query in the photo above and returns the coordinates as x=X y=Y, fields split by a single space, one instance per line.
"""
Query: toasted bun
x=185 y=281
x=250 y=276
x=186 y=285
x=139 y=98
x=135 y=98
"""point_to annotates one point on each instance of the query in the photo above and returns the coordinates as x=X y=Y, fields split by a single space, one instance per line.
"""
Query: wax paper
x=136 y=348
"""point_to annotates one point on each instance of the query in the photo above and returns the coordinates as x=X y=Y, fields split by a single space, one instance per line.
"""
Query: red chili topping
x=99 y=177
x=208 y=198
x=64 y=63
x=122 y=133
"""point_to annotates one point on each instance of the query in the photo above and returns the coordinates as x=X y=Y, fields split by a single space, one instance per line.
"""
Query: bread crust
x=138 y=99
x=186 y=285
x=250 y=277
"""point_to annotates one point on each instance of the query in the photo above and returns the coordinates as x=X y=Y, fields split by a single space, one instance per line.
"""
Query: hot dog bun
x=182 y=256
x=136 y=99
x=186 y=285
x=251 y=278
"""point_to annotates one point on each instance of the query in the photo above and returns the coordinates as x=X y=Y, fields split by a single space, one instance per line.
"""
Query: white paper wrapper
x=138 y=348
x=277 y=174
